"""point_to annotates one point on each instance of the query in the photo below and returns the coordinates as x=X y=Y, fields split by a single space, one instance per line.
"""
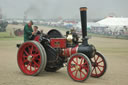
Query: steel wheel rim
x=80 y=70
x=29 y=61
x=98 y=65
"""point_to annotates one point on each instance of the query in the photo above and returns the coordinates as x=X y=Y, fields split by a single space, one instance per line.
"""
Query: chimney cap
x=83 y=8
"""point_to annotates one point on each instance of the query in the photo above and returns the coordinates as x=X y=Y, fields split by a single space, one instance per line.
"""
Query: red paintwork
x=58 y=42
x=69 y=51
x=26 y=66
x=37 y=38
x=83 y=71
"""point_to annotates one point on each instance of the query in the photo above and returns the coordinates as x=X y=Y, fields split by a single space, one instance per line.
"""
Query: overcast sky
x=63 y=8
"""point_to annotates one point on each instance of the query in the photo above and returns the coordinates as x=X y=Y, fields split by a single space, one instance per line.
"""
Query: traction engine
x=52 y=51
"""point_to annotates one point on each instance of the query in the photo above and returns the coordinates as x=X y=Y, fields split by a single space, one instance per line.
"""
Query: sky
x=46 y=9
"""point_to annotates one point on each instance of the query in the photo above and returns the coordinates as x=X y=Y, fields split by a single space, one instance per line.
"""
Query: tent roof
x=114 y=21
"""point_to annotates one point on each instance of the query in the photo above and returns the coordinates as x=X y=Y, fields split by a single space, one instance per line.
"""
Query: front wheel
x=99 y=65
x=79 y=67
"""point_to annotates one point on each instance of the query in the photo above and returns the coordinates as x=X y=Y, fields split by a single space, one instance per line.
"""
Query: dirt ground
x=115 y=50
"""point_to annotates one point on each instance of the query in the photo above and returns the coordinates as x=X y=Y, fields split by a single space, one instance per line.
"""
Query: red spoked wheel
x=79 y=67
x=99 y=65
x=31 y=58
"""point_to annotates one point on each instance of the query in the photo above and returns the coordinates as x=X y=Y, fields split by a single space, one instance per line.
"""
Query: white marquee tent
x=114 y=23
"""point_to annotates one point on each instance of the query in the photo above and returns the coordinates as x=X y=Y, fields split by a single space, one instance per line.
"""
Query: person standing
x=28 y=32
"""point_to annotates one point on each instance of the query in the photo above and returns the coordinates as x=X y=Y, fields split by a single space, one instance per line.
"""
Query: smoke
x=63 y=8
x=70 y=8
x=32 y=12
x=59 y=8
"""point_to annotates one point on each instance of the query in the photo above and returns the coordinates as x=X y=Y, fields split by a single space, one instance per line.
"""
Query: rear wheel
x=99 y=65
x=31 y=58
x=79 y=67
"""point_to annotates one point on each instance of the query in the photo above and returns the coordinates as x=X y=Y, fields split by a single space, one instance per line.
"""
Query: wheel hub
x=77 y=68
x=95 y=64
x=30 y=58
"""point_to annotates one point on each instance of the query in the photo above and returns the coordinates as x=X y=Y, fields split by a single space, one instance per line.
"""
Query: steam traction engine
x=50 y=52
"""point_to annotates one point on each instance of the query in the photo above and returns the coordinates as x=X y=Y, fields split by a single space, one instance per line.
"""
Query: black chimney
x=83 y=12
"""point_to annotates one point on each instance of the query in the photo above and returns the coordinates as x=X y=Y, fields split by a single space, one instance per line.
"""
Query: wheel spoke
x=100 y=61
x=97 y=58
x=25 y=56
x=76 y=73
x=99 y=69
x=80 y=75
x=26 y=52
x=73 y=71
x=75 y=62
x=83 y=73
x=25 y=61
x=31 y=50
x=84 y=63
x=85 y=68
x=95 y=71
x=76 y=59
x=34 y=66
x=35 y=55
x=30 y=66
x=81 y=61
x=101 y=66
x=36 y=63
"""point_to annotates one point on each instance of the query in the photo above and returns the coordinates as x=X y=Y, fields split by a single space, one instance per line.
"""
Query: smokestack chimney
x=83 y=13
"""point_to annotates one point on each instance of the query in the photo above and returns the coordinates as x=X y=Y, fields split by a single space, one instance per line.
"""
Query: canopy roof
x=114 y=21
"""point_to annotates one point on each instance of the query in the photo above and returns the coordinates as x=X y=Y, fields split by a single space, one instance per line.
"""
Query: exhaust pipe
x=83 y=13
